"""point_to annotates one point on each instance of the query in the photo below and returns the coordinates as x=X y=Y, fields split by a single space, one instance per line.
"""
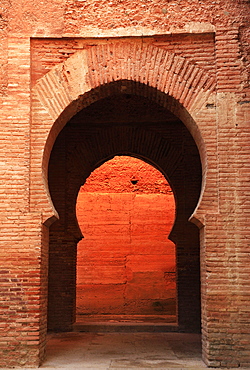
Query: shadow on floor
x=123 y=351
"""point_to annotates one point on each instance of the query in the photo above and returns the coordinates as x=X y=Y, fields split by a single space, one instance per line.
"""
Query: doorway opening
x=134 y=126
x=126 y=265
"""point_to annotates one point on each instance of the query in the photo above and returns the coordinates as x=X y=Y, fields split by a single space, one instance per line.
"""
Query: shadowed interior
x=123 y=124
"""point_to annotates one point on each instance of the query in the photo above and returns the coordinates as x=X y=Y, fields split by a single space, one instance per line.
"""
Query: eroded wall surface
x=213 y=38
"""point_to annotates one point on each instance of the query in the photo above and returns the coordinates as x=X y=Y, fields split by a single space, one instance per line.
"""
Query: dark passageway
x=123 y=125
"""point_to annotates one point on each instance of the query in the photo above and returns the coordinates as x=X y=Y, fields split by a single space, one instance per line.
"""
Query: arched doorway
x=132 y=125
x=174 y=83
x=126 y=265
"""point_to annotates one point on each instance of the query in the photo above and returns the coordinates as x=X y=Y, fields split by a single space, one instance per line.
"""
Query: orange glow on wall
x=125 y=263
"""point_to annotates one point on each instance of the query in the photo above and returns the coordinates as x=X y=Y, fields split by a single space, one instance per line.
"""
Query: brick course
x=58 y=59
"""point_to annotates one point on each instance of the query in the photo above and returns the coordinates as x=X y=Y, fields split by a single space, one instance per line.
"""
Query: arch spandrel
x=102 y=70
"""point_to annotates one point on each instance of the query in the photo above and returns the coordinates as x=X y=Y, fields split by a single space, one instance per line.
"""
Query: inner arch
x=126 y=265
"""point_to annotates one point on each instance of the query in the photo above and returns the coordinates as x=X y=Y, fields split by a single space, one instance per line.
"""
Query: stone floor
x=99 y=351
x=124 y=351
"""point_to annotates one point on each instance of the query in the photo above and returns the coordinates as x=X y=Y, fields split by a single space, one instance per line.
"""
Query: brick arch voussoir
x=149 y=65
x=102 y=64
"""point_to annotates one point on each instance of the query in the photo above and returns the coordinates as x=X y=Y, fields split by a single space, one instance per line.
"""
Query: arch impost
x=47 y=210
x=198 y=218
x=48 y=218
x=49 y=213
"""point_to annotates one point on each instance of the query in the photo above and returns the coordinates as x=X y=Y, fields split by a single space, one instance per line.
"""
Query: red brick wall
x=214 y=107
x=125 y=263
x=198 y=48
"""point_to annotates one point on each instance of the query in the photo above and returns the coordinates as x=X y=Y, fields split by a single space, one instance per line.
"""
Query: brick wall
x=193 y=60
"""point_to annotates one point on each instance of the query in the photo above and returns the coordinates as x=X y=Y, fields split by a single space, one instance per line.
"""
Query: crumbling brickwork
x=65 y=67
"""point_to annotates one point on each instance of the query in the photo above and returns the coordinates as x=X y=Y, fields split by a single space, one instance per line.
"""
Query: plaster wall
x=125 y=262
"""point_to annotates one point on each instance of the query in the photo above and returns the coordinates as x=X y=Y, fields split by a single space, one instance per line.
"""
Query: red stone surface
x=125 y=263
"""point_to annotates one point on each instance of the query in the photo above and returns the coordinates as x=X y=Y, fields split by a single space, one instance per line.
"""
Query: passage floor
x=126 y=351
x=76 y=350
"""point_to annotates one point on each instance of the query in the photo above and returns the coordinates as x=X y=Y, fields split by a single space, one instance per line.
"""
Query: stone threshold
x=125 y=323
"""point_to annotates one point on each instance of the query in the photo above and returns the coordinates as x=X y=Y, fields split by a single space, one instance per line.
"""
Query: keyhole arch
x=126 y=256
x=97 y=133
